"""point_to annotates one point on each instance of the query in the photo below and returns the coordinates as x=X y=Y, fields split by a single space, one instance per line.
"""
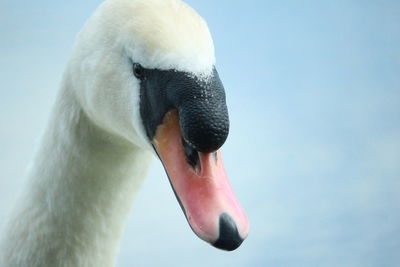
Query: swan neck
x=79 y=193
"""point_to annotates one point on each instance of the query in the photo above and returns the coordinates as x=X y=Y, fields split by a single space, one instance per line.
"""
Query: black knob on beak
x=200 y=101
x=204 y=125
x=203 y=112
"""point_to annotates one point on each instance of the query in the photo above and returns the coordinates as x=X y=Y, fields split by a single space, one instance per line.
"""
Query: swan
x=141 y=82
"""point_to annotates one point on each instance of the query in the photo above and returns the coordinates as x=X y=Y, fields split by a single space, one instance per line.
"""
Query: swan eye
x=138 y=71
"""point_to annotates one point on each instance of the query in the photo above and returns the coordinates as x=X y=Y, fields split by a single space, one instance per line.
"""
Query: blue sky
x=313 y=91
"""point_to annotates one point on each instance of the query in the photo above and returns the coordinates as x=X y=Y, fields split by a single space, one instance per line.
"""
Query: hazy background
x=313 y=92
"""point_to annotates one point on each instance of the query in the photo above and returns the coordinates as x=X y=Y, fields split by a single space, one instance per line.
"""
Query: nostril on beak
x=229 y=238
x=192 y=156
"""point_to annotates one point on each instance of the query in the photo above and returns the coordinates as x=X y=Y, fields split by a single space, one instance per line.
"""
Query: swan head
x=144 y=70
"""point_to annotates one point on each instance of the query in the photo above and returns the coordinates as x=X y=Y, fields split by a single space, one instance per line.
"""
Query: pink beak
x=204 y=193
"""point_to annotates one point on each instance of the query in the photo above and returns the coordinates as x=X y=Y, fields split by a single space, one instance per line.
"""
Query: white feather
x=94 y=154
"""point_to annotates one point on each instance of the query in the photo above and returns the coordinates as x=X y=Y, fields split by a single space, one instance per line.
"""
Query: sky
x=313 y=91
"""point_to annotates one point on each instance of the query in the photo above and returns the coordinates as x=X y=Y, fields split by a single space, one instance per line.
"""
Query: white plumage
x=94 y=154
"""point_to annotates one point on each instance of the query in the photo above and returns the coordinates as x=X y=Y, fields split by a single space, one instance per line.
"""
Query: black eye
x=138 y=71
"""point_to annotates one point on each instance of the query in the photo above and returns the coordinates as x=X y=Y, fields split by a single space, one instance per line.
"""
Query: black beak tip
x=229 y=238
